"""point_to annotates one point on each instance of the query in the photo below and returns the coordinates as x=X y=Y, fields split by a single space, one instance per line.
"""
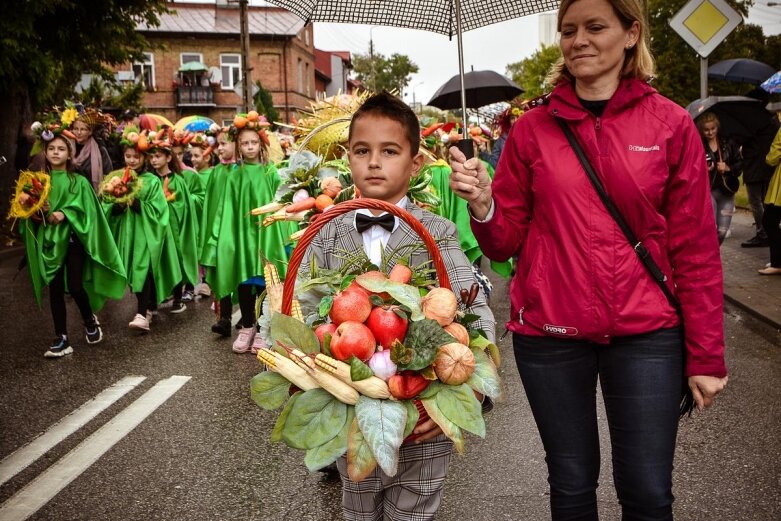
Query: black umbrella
x=482 y=88
x=741 y=70
x=740 y=117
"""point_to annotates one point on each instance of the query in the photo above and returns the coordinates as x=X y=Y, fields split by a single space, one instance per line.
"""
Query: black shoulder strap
x=639 y=248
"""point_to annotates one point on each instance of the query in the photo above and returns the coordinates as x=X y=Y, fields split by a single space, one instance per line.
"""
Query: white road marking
x=42 y=489
x=24 y=456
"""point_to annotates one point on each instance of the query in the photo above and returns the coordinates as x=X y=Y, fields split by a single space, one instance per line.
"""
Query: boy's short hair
x=389 y=106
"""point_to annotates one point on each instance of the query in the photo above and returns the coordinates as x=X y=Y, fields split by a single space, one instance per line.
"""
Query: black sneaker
x=178 y=306
x=222 y=327
x=187 y=296
x=93 y=332
x=60 y=347
x=755 y=242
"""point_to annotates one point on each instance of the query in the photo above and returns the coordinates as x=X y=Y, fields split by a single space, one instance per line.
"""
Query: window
x=300 y=76
x=227 y=122
x=187 y=57
x=230 y=66
x=144 y=71
x=308 y=82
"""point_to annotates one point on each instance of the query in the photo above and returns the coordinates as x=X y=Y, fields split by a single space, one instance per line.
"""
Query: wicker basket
x=348 y=206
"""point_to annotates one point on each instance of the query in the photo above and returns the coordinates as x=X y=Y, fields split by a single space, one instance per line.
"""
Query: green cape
x=184 y=227
x=455 y=209
x=197 y=188
x=237 y=243
x=211 y=218
x=145 y=241
x=47 y=244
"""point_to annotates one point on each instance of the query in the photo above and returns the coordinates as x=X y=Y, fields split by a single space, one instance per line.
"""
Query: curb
x=754 y=313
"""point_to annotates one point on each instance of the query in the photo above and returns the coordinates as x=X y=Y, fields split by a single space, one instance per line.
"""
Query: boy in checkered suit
x=384 y=155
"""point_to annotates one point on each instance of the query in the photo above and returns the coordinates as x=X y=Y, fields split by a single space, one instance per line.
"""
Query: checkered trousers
x=413 y=494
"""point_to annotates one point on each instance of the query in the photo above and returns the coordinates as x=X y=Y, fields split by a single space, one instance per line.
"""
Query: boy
x=384 y=154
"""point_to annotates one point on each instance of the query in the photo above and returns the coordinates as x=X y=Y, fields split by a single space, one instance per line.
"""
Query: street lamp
x=414 y=104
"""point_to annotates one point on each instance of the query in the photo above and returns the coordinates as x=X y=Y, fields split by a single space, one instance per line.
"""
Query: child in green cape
x=72 y=250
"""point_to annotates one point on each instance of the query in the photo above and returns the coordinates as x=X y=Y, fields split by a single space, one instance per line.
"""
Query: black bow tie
x=364 y=222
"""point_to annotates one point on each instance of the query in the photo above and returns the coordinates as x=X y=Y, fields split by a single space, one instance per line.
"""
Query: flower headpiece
x=131 y=138
x=252 y=121
x=203 y=140
x=162 y=139
x=51 y=125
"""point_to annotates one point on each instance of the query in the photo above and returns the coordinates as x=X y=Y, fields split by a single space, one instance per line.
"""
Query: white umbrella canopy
x=447 y=17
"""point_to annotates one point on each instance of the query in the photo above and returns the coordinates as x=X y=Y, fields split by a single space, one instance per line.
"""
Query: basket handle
x=348 y=206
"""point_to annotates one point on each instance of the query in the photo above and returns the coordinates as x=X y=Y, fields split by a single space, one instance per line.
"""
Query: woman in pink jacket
x=584 y=307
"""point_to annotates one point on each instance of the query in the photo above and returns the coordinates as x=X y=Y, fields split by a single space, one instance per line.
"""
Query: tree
x=379 y=73
x=530 y=72
x=264 y=104
x=46 y=46
x=678 y=65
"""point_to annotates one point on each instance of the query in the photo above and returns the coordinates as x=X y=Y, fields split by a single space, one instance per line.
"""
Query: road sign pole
x=703 y=78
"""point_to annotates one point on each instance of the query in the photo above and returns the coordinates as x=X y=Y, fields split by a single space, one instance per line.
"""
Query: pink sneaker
x=257 y=344
x=244 y=340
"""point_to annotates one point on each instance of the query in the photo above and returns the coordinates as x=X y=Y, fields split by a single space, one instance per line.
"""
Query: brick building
x=205 y=38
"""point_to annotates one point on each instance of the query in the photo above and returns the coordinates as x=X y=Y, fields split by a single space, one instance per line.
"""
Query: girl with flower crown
x=73 y=247
x=182 y=220
x=142 y=231
x=242 y=246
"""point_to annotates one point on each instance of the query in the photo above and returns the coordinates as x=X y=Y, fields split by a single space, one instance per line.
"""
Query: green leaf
x=467 y=319
x=291 y=331
x=424 y=337
x=485 y=378
x=325 y=305
x=404 y=294
x=269 y=390
x=376 y=300
x=315 y=418
x=449 y=428
x=400 y=354
x=360 y=459
x=431 y=391
x=326 y=350
x=483 y=343
x=346 y=281
x=359 y=370
x=276 y=433
x=330 y=451
x=459 y=405
x=382 y=423
x=412 y=417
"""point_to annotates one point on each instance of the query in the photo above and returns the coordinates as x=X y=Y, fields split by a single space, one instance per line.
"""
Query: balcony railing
x=195 y=95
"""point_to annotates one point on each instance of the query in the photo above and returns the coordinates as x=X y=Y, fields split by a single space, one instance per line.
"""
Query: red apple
x=352 y=338
x=350 y=305
x=324 y=329
x=386 y=325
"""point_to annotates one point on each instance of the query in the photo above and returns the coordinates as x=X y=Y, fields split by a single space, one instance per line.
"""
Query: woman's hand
x=722 y=167
x=427 y=430
x=56 y=218
x=470 y=181
x=705 y=388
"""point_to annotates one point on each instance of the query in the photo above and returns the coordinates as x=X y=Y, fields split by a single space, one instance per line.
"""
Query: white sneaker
x=202 y=289
x=244 y=340
x=139 y=322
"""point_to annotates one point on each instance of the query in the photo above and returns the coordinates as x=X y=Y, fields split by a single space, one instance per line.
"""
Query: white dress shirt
x=376 y=238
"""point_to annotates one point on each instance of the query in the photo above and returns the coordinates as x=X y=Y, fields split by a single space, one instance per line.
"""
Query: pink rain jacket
x=577 y=276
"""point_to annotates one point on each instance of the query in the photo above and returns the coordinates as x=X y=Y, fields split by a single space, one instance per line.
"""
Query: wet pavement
x=204 y=453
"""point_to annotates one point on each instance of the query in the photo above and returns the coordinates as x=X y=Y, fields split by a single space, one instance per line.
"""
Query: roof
x=211 y=19
x=323 y=63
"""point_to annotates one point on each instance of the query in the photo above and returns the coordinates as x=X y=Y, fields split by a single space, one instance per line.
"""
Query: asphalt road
x=200 y=448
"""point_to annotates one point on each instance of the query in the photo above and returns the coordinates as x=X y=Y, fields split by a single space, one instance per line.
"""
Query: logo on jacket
x=560 y=330
x=638 y=148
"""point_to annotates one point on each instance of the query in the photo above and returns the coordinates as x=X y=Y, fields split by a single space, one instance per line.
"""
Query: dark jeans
x=247 y=299
x=74 y=266
x=771 y=218
x=641 y=378
x=147 y=298
x=756 y=198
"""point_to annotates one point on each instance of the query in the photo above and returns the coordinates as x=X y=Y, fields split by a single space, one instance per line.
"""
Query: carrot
x=431 y=129
x=126 y=176
x=306 y=204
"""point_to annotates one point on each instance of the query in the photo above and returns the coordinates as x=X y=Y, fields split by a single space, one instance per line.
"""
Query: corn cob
x=296 y=375
x=297 y=235
x=267 y=208
x=295 y=310
x=340 y=390
x=282 y=215
x=271 y=274
x=372 y=387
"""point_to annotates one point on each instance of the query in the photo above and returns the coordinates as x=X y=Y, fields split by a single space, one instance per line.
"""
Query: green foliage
x=678 y=65
x=459 y=405
x=424 y=337
x=530 y=72
x=103 y=93
x=485 y=378
x=450 y=429
x=330 y=451
x=315 y=418
x=48 y=44
x=384 y=73
x=359 y=370
x=293 y=333
x=264 y=104
x=269 y=390
x=382 y=423
x=406 y=295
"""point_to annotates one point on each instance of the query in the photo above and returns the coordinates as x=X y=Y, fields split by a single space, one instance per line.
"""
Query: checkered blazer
x=340 y=235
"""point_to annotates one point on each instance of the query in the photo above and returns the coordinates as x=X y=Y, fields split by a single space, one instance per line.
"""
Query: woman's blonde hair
x=708 y=117
x=638 y=62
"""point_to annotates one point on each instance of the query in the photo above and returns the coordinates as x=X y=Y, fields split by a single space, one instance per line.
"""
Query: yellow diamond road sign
x=704 y=24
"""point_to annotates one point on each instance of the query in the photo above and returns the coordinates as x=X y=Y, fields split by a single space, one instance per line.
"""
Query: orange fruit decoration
x=240 y=121
x=252 y=115
x=323 y=201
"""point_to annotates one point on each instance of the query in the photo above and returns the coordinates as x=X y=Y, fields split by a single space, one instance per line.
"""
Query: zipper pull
x=520 y=316
x=599 y=124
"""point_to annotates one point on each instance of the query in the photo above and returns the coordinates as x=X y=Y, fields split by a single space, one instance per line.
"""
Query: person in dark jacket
x=756 y=176
x=584 y=309
x=724 y=163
